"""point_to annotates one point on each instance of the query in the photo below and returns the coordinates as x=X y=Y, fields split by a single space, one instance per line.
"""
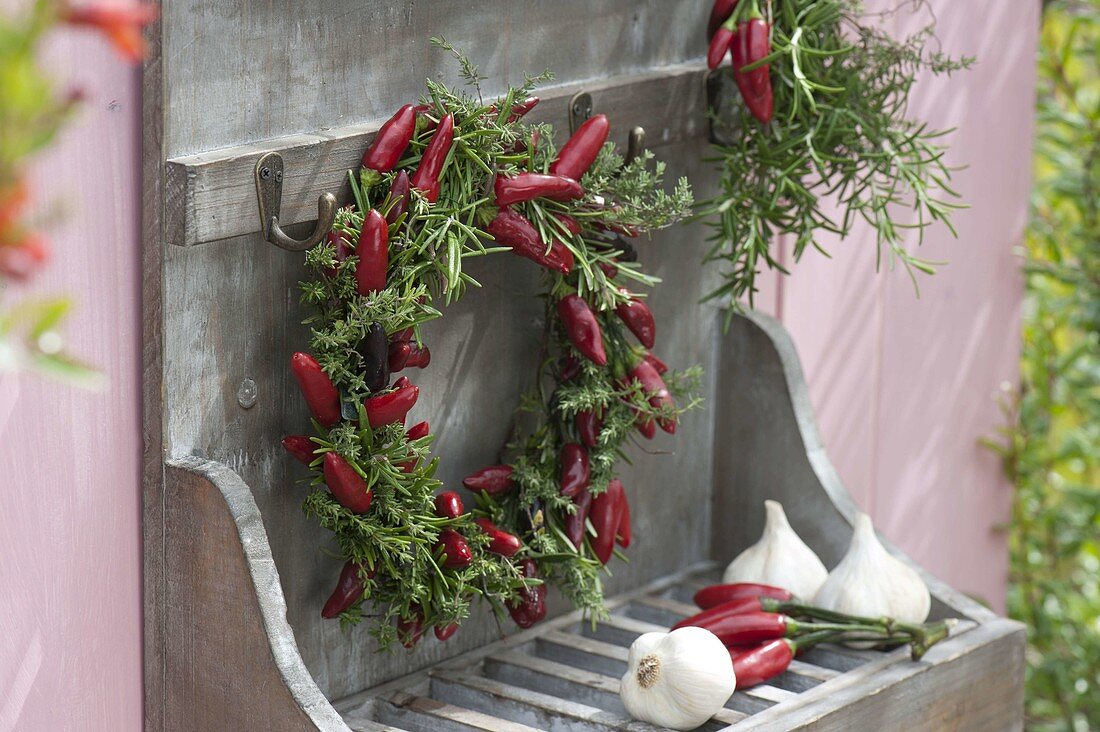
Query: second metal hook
x=580 y=109
x=269 y=195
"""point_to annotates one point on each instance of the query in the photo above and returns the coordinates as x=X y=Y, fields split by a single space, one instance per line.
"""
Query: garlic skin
x=677 y=680
x=779 y=558
x=869 y=581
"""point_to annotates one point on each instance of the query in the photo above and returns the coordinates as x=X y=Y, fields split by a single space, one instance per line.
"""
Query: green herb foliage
x=395 y=542
x=839 y=149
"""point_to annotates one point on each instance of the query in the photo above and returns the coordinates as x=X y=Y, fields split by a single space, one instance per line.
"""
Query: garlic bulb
x=870 y=582
x=679 y=679
x=780 y=558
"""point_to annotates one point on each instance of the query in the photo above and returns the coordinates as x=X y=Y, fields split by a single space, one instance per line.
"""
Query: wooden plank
x=419 y=712
x=811 y=671
x=215 y=196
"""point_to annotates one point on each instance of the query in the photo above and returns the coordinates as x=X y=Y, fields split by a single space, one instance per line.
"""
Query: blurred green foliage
x=1052 y=451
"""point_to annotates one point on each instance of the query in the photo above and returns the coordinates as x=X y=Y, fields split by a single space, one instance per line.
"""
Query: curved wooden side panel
x=766 y=445
x=230 y=659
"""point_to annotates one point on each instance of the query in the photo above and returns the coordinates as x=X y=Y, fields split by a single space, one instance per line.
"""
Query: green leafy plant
x=839 y=149
x=1051 y=450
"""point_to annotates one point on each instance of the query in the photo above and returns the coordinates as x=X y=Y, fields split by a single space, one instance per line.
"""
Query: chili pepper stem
x=889 y=625
x=804 y=642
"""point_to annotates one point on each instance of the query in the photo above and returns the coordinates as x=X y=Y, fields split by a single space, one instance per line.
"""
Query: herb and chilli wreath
x=455 y=177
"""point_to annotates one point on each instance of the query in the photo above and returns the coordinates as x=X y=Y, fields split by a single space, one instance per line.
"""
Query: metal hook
x=580 y=109
x=269 y=194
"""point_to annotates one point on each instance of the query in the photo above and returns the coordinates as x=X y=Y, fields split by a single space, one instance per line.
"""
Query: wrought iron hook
x=269 y=195
x=580 y=109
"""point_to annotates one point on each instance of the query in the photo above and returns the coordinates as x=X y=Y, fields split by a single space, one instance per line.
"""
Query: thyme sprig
x=841 y=147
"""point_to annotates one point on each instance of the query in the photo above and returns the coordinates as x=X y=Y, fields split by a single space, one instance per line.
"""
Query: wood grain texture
x=214 y=197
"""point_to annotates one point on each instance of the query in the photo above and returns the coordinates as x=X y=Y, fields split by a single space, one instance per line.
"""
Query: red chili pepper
x=341 y=248
x=651 y=381
x=639 y=319
x=738 y=606
x=571 y=224
x=610 y=271
x=448 y=505
x=419 y=358
x=456 y=549
x=582 y=328
x=646 y=427
x=719 y=14
x=321 y=396
x=300 y=447
x=390 y=407
x=574 y=469
x=416 y=432
x=719 y=46
x=373 y=251
x=347 y=486
x=349 y=588
x=658 y=365
x=624 y=534
x=530 y=607
x=410 y=630
x=494 y=480
x=528 y=186
x=762 y=663
x=398 y=197
x=391 y=140
x=607 y=513
x=402 y=335
x=399 y=352
x=581 y=150
x=401 y=383
x=443 y=632
x=513 y=230
x=740 y=628
x=574 y=522
x=751 y=43
x=520 y=109
x=426 y=177
x=569 y=367
x=715 y=595
x=500 y=541
x=588 y=424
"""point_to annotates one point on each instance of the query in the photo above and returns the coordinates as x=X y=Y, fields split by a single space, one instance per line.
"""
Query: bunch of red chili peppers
x=765 y=629
x=740 y=31
x=405 y=168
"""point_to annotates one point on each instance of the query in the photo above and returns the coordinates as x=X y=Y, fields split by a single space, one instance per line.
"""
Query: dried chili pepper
x=578 y=154
x=349 y=588
x=751 y=43
x=530 y=607
x=740 y=628
x=372 y=349
x=720 y=12
x=411 y=630
x=588 y=424
x=574 y=469
x=419 y=357
x=398 y=355
x=569 y=223
x=521 y=108
x=402 y=383
x=639 y=319
x=500 y=541
x=527 y=186
x=300 y=447
x=715 y=595
x=719 y=47
x=398 y=197
x=658 y=365
x=606 y=515
x=456 y=549
x=493 y=480
x=391 y=141
x=569 y=367
x=574 y=522
x=390 y=407
x=426 y=177
x=416 y=432
x=321 y=396
x=582 y=328
x=513 y=230
x=443 y=632
x=449 y=505
x=654 y=386
x=625 y=534
x=373 y=251
x=346 y=485
x=610 y=271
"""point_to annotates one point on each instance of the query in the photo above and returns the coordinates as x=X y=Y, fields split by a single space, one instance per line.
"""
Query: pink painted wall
x=903 y=388
x=70 y=489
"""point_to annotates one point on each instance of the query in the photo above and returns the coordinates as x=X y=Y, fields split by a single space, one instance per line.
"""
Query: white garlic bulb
x=780 y=558
x=869 y=581
x=679 y=679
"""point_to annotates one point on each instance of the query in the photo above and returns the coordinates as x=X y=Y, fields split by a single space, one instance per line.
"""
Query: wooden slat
x=424 y=713
x=810 y=670
x=213 y=195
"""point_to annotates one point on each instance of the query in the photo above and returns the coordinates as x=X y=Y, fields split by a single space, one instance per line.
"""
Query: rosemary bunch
x=839 y=149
